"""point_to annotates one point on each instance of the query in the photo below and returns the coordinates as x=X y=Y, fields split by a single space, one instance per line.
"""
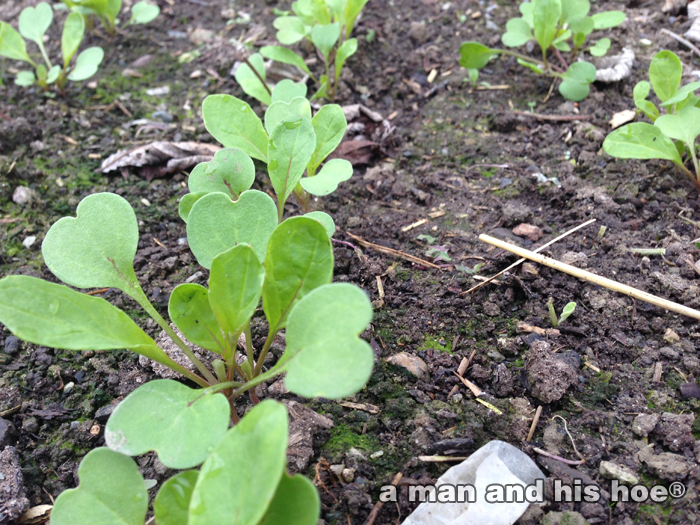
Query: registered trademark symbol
x=676 y=489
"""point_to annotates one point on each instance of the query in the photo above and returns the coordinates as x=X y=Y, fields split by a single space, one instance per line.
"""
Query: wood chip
x=544 y=332
x=436 y=214
x=365 y=407
x=414 y=225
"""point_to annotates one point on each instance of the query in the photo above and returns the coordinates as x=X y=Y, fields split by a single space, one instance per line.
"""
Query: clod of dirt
x=12 y=496
x=610 y=470
x=676 y=430
x=277 y=388
x=515 y=211
x=666 y=465
x=23 y=195
x=643 y=424
x=303 y=425
x=412 y=363
x=418 y=32
x=690 y=390
x=15 y=133
x=8 y=432
x=564 y=518
x=549 y=376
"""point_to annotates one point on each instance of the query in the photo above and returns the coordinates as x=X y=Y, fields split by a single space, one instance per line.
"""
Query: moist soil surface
x=460 y=161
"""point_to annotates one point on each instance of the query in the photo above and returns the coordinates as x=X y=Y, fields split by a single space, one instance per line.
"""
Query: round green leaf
x=111 y=492
x=299 y=259
x=187 y=201
x=329 y=125
x=171 y=506
x=190 y=311
x=279 y=111
x=216 y=224
x=474 y=55
x=583 y=26
x=684 y=125
x=52 y=74
x=286 y=56
x=324 y=219
x=180 y=423
x=95 y=249
x=517 y=33
x=249 y=81
x=143 y=13
x=600 y=48
x=326 y=181
x=665 y=73
x=35 y=21
x=239 y=479
x=290 y=148
x=574 y=9
x=231 y=171
x=640 y=140
x=608 y=19
x=296 y=502
x=87 y=63
x=577 y=79
x=25 y=78
x=73 y=31
x=322 y=335
x=290 y=29
x=287 y=90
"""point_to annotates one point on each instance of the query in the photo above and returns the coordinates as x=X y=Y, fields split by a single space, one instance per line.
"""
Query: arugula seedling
x=557 y=26
x=565 y=313
x=107 y=11
x=671 y=136
x=327 y=24
x=33 y=24
x=290 y=142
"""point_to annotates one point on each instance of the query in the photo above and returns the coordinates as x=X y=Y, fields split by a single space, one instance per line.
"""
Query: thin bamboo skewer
x=591 y=277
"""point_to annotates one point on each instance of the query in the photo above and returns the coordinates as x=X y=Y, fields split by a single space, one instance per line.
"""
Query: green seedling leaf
x=640 y=140
x=290 y=29
x=233 y=123
x=190 y=311
x=279 y=111
x=682 y=94
x=574 y=9
x=567 y=311
x=238 y=481
x=546 y=14
x=474 y=55
x=73 y=31
x=684 y=125
x=665 y=73
x=231 y=171
x=325 y=37
x=322 y=90
x=186 y=203
x=582 y=25
x=326 y=181
x=111 y=10
x=296 y=502
x=287 y=90
x=526 y=9
x=692 y=100
x=111 y=492
x=579 y=39
x=345 y=51
x=608 y=19
x=352 y=11
x=577 y=80
x=640 y=94
x=562 y=46
x=216 y=224
x=323 y=334
x=329 y=126
x=249 y=81
x=600 y=48
x=171 y=506
x=87 y=63
x=35 y=21
x=517 y=33
x=95 y=249
x=52 y=74
x=299 y=259
x=324 y=219
x=235 y=287
x=530 y=65
x=290 y=148
x=25 y=78
x=143 y=13
x=178 y=422
x=41 y=73
x=12 y=45
x=286 y=56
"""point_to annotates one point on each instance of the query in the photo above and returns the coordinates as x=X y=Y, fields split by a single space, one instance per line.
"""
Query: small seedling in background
x=473 y=77
x=557 y=26
x=565 y=313
x=33 y=24
x=532 y=105
x=672 y=135
x=107 y=11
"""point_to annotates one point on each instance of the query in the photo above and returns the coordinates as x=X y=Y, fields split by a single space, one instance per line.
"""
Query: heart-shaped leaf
x=684 y=125
x=190 y=311
x=473 y=55
x=12 y=44
x=279 y=111
x=577 y=80
x=96 y=249
x=517 y=33
x=290 y=29
x=324 y=219
x=299 y=259
x=286 y=56
x=322 y=334
x=235 y=287
x=546 y=14
x=86 y=64
x=249 y=81
x=73 y=31
x=186 y=203
x=600 y=48
x=111 y=492
x=143 y=13
x=233 y=123
x=238 y=481
x=296 y=502
x=326 y=181
x=291 y=146
x=665 y=73
x=330 y=126
x=216 y=224
x=25 y=78
x=640 y=140
x=35 y=21
x=325 y=37
x=171 y=506
x=231 y=171
x=287 y=90
x=608 y=19
x=345 y=51
x=180 y=423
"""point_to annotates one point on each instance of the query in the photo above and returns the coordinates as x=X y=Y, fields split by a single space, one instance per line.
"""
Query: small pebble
x=145 y=201
x=28 y=241
x=194 y=277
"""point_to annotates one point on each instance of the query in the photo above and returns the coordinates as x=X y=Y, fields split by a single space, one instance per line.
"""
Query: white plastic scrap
x=615 y=68
x=542 y=179
x=694 y=16
x=496 y=463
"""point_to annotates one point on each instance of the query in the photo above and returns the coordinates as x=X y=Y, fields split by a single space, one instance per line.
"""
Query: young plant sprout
x=565 y=313
x=558 y=26
x=33 y=24
x=671 y=136
x=107 y=11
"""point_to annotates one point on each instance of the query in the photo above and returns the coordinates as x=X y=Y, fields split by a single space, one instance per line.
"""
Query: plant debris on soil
x=456 y=163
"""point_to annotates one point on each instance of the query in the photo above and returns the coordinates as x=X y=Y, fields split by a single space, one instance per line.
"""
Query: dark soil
x=448 y=153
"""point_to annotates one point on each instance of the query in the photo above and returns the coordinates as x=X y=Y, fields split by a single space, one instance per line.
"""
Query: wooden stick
x=378 y=506
x=391 y=251
x=681 y=40
x=593 y=278
x=520 y=261
x=553 y=118
x=534 y=424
